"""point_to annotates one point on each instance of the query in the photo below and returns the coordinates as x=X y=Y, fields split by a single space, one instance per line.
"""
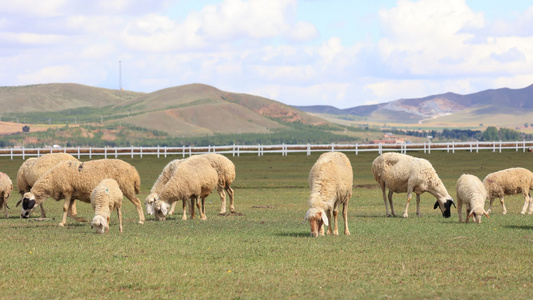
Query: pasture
x=267 y=253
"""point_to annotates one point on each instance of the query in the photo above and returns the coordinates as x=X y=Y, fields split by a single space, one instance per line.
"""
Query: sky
x=343 y=53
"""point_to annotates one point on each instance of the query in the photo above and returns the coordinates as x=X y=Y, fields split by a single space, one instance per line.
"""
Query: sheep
x=470 y=191
x=168 y=171
x=6 y=187
x=35 y=167
x=226 y=175
x=510 y=181
x=105 y=198
x=402 y=173
x=74 y=180
x=330 y=181
x=195 y=179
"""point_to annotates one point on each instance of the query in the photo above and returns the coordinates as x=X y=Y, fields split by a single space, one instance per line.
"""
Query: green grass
x=267 y=252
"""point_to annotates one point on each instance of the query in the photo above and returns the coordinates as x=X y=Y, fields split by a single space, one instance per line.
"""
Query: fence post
x=477 y=146
x=308 y=149
x=356 y=149
x=380 y=150
x=165 y=152
x=524 y=146
x=516 y=146
x=429 y=147
x=500 y=146
x=332 y=147
x=78 y=152
x=38 y=152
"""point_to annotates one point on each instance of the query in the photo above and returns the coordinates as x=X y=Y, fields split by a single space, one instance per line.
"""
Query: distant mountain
x=498 y=101
x=187 y=110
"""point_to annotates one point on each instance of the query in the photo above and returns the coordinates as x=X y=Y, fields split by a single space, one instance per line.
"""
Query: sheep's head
x=317 y=218
x=445 y=207
x=28 y=203
x=477 y=214
x=149 y=202
x=100 y=223
x=161 y=209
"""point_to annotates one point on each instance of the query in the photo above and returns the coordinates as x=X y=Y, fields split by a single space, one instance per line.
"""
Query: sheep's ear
x=486 y=214
x=19 y=202
x=325 y=218
x=436 y=205
x=470 y=215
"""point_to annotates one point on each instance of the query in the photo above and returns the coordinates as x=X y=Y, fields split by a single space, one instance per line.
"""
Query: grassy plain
x=267 y=253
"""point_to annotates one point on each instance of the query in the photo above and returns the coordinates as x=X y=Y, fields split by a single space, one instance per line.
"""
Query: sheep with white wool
x=401 y=173
x=35 y=167
x=510 y=181
x=168 y=171
x=105 y=198
x=74 y=180
x=331 y=181
x=6 y=187
x=195 y=179
x=226 y=175
x=472 y=193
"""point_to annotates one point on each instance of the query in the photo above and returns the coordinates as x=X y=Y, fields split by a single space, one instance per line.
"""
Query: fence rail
x=260 y=150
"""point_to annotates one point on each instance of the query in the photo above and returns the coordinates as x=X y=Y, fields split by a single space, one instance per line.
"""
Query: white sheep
x=472 y=193
x=195 y=179
x=511 y=181
x=105 y=198
x=74 y=180
x=402 y=173
x=6 y=187
x=226 y=175
x=331 y=181
x=33 y=168
x=168 y=171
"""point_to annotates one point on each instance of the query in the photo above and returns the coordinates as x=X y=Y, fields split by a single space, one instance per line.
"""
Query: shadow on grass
x=301 y=234
x=527 y=227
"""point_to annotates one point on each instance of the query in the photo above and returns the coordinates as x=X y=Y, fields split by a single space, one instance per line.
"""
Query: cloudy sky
x=343 y=53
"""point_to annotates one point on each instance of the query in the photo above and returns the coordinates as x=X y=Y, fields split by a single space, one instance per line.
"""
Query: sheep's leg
x=503 y=205
x=490 y=205
x=66 y=206
x=530 y=212
x=119 y=214
x=328 y=214
x=335 y=219
x=172 y=208
x=131 y=196
x=184 y=216
x=72 y=209
x=231 y=198
x=526 y=204
x=345 y=217
x=460 y=210
x=193 y=202
x=385 y=201
x=467 y=213
x=202 y=210
x=391 y=204
x=4 y=205
x=43 y=212
x=418 y=205
x=222 y=193
x=409 y=195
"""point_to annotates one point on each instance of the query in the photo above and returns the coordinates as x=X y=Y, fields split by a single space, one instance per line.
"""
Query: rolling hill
x=499 y=107
x=188 y=110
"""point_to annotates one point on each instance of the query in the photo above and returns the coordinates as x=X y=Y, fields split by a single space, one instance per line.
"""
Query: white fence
x=260 y=150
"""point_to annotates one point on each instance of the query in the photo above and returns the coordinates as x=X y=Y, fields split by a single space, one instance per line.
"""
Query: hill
x=499 y=107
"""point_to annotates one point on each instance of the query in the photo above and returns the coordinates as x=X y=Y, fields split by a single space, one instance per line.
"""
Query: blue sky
x=343 y=53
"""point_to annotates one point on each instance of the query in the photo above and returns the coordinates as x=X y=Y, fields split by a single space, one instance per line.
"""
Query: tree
x=490 y=134
x=26 y=128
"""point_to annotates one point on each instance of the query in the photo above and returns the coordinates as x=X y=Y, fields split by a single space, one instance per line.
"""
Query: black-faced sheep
x=168 y=171
x=74 y=180
x=6 y=187
x=401 y=173
x=331 y=181
x=195 y=179
x=472 y=193
x=33 y=168
x=105 y=198
x=511 y=181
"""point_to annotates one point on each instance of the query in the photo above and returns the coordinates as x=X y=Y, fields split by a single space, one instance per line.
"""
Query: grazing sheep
x=105 y=198
x=511 y=181
x=74 y=180
x=168 y=171
x=33 y=168
x=194 y=179
x=331 y=181
x=6 y=187
x=470 y=191
x=226 y=175
x=402 y=173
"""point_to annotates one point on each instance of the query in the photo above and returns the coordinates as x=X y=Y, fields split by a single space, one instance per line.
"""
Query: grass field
x=267 y=253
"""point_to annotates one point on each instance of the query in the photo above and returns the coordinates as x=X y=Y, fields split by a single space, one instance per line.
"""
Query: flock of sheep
x=104 y=183
x=331 y=182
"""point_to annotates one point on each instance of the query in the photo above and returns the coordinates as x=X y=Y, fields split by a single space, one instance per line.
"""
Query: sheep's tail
x=137 y=187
